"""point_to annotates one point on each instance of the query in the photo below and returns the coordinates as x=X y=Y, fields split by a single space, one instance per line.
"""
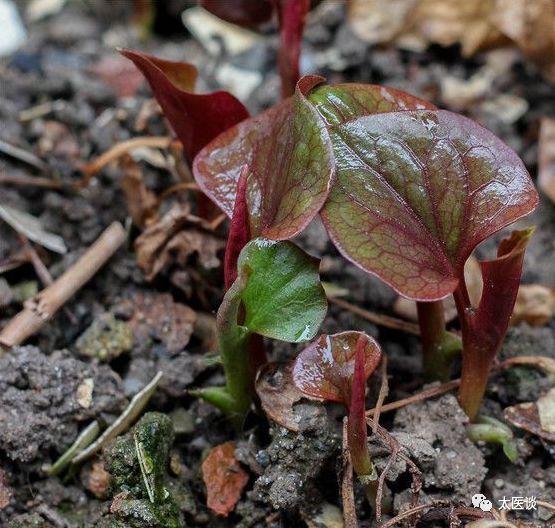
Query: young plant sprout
x=277 y=294
x=406 y=192
x=335 y=368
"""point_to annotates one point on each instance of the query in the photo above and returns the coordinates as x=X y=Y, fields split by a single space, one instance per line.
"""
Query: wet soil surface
x=120 y=329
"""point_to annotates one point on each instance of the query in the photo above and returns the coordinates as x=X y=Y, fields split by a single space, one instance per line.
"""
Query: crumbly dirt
x=293 y=476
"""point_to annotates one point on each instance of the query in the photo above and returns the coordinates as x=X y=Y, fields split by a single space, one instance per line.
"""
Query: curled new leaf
x=325 y=368
x=416 y=191
x=196 y=118
x=281 y=294
x=289 y=157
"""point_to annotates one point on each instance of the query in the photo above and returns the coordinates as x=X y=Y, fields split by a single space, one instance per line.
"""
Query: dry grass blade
x=384 y=391
x=23 y=155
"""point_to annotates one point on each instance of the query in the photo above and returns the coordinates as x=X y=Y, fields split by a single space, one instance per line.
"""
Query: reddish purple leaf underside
x=196 y=118
x=290 y=166
x=325 y=368
x=241 y=12
x=416 y=191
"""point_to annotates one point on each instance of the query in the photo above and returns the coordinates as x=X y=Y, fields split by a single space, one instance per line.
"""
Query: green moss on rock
x=133 y=503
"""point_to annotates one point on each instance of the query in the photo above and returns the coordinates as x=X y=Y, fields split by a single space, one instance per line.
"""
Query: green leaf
x=282 y=294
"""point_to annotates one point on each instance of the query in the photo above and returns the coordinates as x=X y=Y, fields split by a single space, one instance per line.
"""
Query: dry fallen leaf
x=157 y=315
x=141 y=203
x=531 y=25
x=474 y=24
x=546 y=161
x=97 y=480
x=415 y=24
x=174 y=239
x=535 y=304
x=537 y=418
x=278 y=394
x=224 y=479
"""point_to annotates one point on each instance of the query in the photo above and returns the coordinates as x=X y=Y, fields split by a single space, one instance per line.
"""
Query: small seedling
x=277 y=294
x=335 y=368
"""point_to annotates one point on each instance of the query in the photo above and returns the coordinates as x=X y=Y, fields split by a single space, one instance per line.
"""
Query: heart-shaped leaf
x=281 y=291
x=416 y=191
x=325 y=368
x=196 y=118
x=290 y=162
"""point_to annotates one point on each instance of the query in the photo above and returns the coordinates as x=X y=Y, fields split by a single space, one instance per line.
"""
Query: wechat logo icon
x=480 y=501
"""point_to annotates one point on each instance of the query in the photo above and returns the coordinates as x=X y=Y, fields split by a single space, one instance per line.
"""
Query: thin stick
x=347 y=488
x=38 y=310
x=376 y=318
x=183 y=186
x=118 y=150
x=420 y=396
x=31 y=181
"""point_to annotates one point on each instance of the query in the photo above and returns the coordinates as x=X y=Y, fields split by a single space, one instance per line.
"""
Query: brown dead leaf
x=157 y=315
x=407 y=309
x=141 y=203
x=474 y=24
x=415 y=24
x=174 y=239
x=535 y=305
x=5 y=491
x=224 y=479
x=531 y=25
x=278 y=394
x=97 y=480
x=535 y=417
x=546 y=161
x=57 y=140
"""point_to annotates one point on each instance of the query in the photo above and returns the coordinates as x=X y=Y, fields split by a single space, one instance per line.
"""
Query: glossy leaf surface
x=281 y=294
x=416 y=191
x=325 y=368
x=196 y=118
x=290 y=161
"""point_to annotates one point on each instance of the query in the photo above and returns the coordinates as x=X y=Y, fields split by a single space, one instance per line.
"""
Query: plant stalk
x=438 y=345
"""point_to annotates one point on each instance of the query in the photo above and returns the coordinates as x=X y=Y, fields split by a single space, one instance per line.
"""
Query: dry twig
x=376 y=318
x=38 y=310
x=347 y=488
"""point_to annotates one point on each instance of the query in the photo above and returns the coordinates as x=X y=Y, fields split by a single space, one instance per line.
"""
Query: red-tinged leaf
x=356 y=423
x=325 y=368
x=238 y=231
x=290 y=166
x=416 y=191
x=224 y=479
x=291 y=15
x=485 y=327
x=196 y=118
x=245 y=13
x=501 y=282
